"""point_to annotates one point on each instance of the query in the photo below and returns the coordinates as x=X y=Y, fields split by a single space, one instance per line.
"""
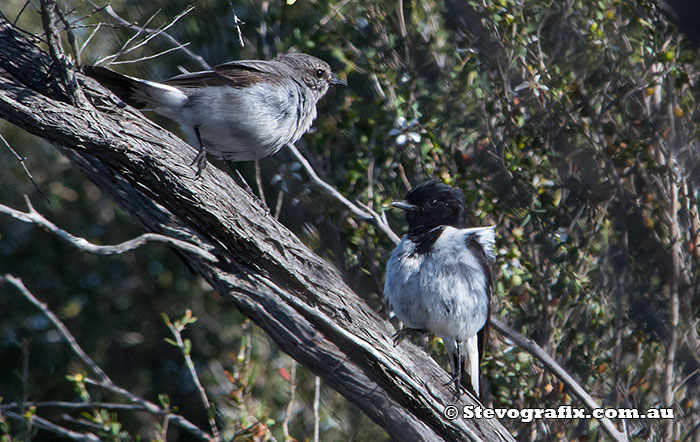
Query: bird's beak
x=338 y=81
x=403 y=205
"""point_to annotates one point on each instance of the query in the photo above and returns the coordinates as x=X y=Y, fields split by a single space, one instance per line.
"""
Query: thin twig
x=152 y=408
x=691 y=432
x=50 y=426
x=128 y=42
x=317 y=402
x=19 y=14
x=69 y=32
x=290 y=404
x=194 y=57
x=94 y=11
x=150 y=57
x=237 y=23
x=87 y=41
x=94 y=368
x=96 y=425
x=79 y=406
x=553 y=367
x=335 y=10
x=176 y=329
x=402 y=20
x=674 y=305
x=278 y=204
x=367 y=214
x=21 y=160
x=66 y=73
x=34 y=217
x=25 y=376
x=159 y=31
x=258 y=182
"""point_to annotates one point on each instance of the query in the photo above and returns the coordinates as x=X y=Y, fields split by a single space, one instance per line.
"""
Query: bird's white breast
x=242 y=124
x=443 y=290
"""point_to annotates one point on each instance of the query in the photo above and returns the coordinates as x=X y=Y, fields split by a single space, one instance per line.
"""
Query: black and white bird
x=438 y=278
x=238 y=111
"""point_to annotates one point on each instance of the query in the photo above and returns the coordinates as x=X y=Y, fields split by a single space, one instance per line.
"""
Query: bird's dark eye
x=320 y=73
x=433 y=203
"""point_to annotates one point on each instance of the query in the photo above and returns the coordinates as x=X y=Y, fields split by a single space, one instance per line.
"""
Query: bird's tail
x=135 y=92
x=467 y=363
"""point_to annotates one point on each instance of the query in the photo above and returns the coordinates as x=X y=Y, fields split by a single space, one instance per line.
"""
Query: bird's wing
x=483 y=334
x=480 y=242
x=486 y=236
x=233 y=74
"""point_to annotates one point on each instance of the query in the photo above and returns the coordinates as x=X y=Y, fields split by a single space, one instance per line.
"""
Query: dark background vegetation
x=572 y=126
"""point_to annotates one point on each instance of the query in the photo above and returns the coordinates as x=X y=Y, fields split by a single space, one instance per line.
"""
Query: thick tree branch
x=297 y=298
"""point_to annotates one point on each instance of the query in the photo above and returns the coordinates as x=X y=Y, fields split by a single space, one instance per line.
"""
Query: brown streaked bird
x=238 y=111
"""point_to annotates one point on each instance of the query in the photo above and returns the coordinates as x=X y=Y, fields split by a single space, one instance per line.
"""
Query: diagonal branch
x=24 y=166
x=364 y=214
x=550 y=364
x=34 y=217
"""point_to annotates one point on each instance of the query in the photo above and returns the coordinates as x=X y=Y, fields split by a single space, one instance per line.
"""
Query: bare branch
x=531 y=347
x=17 y=282
x=278 y=205
x=87 y=41
x=69 y=32
x=150 y=57
x=258 y=182
x=128 y=42
x=19 y=14
x=159 y=31
x=237 y=23
x=171 y=40
x=21 y=160
x=34 y=217
x=317 y=402
x=367 y=214
x=185 y=346
x=672 y=339
x=66 y=73
x=290 y=404
x=50 y=426
x=80 y=406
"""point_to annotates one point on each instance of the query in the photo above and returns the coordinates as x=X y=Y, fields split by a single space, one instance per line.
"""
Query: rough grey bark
x=295 y=296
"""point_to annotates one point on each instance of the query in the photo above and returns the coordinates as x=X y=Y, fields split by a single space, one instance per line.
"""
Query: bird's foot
x=456 y=379
x=201 y=161
x=405 y=332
